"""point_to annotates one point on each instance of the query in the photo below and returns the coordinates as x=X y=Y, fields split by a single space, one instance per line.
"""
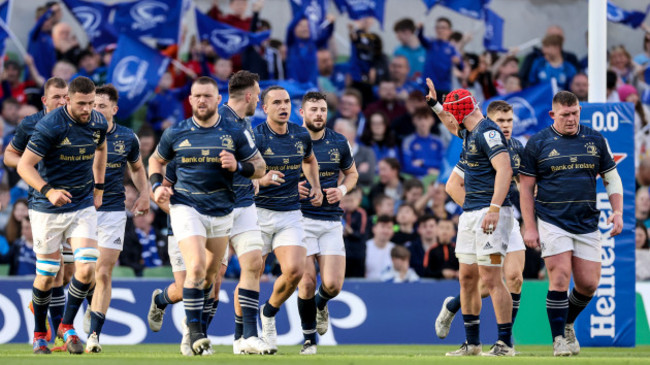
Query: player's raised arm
x=447 y=119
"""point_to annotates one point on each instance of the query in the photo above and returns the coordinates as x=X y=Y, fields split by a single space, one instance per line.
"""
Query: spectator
x=403 y=125
x=5 y=205
x=621 y=62
x=13 y=229
x=236 y=16
x=355 y=223
x=263 y=60
x=223 y=68
x=66 y=43
x=65 y=70
x=382 y=204
x=398 y=71
x=147 y=139
x=642 y=206
x=642 y=253
x=441 y=56
x=440 y=205
x=441 y=261
x=413 y=192
x=409 y=48
x=151 y=241
x=422 y=153
x=427 y=232
x=643 y=58
x=390 y=183
x=90 y=67
x=367 y=62
x=350 y=109
x=504 y=67
x=580 y=87
x=513 y=84
x=406 y=219
x=10 y=115
x=166 y=107
x=481 y=77
x=526 y=65
x=302 y=46
x=24 y=259
x=388 y=101
x=612 y=82
x=364 y=157
x=378 y=136
x=400 y=272
x=378 y=260
x=40 y=44
x=27 y=91
x=552 y=65
x=331 y=77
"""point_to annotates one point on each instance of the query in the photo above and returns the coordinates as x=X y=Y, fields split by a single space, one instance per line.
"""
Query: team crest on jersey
x=82 y=151
x=591 y=148
x=300 y=148
x=472 y=147
x=226 y=142
x=205 y=152
x=119 y=147
x=96 y=136
x=516 y=160
x=335 y=155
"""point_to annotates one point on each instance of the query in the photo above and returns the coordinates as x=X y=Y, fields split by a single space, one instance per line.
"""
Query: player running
x=123 y=149
x=501 y=113
x=70 y=145
x=322 y=225
x=287 y=150
x=485 y=225
x=207 y=151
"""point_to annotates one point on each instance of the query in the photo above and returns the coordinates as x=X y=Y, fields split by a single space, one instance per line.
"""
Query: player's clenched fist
x=272 y=178
x=58 y=197
x=303 y=191
x=316 y=196
x=162 y=194
x=228 y=161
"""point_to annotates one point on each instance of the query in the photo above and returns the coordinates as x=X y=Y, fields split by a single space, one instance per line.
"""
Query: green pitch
x=361 y=354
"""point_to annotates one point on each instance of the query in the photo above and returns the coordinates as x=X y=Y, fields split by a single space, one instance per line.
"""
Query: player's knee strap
x=86 y=255
x=466 y=258
x=47 y=267
x=493 y=259
x=68 y=257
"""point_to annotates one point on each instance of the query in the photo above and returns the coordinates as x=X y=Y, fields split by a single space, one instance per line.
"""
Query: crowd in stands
x=399 y=223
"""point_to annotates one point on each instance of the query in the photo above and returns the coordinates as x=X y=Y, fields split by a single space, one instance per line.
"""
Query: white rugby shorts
x=516 y=242
x=555 y=240
x=471 y=239
x=324 y=237
x=110 y=229
x=246 y=235
x=280 y=229
x=187 y=222
x=51 y=229
x=176 y=258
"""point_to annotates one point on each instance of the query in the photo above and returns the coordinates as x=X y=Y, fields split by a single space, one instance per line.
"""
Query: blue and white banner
x=135 y=71
x=314 y=10
x=358 y=9
x=610 y=318
x=631 y=18
x=471 y=8
x=5 y=10
x=227 y=41
x=530 y=106
x=94 y=17
x=493 y=38
x=159 y=19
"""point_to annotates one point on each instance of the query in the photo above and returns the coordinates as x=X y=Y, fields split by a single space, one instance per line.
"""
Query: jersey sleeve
x=492 y=142
x=347 y=160
x=528 y=165
x=21 y=138
x=607 y=162
x=245 y=147
x=308 y=145
x=170 y=172
x=166 y=146
x=43 y=140
x=134 y=153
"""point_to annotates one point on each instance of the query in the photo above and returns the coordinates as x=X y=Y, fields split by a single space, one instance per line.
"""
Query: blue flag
x=358 y=9
x=314 y=10
x=226 y=40
x=530 y=108
x=493 y=38
x=5 y=10
x=135 y=71
x=471 y=8
x=94 y=18
x=630 y=18
x=159 y=19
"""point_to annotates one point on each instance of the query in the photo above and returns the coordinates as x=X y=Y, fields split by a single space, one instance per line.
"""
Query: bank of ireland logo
x=229 y=40
x=129 y=76
x=523 y=114
x=148 y=14
x=90 y=19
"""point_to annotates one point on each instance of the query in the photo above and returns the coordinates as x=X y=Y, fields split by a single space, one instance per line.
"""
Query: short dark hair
x=427 y=217
x=110 y=91
x=355 y=93
x=241 y=81
x=12 y=64
x=444 y=19
x=456 y=36
x=81 y=85
x=498 y=106
x=379 y=198
x=146 y=131
x=384 y=219
x=400 y=252
x=56 y=82
x=553 y=40
x=205 y=80
x=565 y=98
x=424 y=112
x=413 y=184
x=269 y=89
x=10 y=101
x=313 y=96
x=392 y=162
x=404 y=24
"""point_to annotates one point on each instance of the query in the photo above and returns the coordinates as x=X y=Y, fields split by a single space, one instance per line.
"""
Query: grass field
x=365 y=354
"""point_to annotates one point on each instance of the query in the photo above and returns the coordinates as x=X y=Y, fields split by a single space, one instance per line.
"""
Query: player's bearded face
x=205 y=100
x=566 y=119
x=315 y=115
x=81 y=106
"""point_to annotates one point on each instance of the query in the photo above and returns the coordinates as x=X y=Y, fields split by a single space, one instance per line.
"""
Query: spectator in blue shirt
x=398 y=70
x=166 y=107
x=422 y=152
x=24 y=260
x=552 y=65
x=89 y=66
x=378 y=136
x=301 y=49
x=410 y=47
x=441 y=56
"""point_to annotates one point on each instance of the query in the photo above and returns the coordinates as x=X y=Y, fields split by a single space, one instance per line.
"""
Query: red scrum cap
x=460 y=103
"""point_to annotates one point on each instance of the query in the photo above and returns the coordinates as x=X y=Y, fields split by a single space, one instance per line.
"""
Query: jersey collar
x=562 y=135
x=272 y=131
x=214 y=126
x=239 y=119
x=113 y=129
x=65 y=110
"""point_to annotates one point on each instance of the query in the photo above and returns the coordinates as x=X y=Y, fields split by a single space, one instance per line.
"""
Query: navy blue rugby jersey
x=566 y=168
x=123 y=147
x=333 y=155
x=516 y=150
x=479 y=147
x=68 y=151
x=170 y=175
x=244 y=190
x=201 y=182
x=283 y=153
x=24 y=132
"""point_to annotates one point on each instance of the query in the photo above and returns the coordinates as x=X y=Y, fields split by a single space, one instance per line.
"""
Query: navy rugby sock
x=97 y=322
x=322 y=297
x=454 y=305
x=505 y=333
x=193 y=302
x=208 y=299
x=77 y=292
x=269 y=310
x=577 y=302
x=57 y=306
x=307 y=310
x=557 y=308
x=162 y=300
x=239 y=327
x=472 y=324
x=40 y=302
x=249 y=302
x=516 y=298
